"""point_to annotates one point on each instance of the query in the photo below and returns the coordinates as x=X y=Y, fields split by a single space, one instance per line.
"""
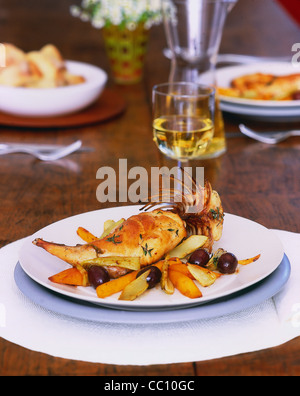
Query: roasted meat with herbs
x=150 y=235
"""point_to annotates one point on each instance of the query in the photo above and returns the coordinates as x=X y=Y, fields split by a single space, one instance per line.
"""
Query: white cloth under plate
x=266 y=325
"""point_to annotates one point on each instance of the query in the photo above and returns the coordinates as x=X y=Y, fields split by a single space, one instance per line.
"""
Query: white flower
x=98 y=22
x=117 y=12
x=131 y=26
x=84 y=16
x=75 y=11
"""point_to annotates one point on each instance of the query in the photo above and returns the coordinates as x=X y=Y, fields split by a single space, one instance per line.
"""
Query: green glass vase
x=126 y=50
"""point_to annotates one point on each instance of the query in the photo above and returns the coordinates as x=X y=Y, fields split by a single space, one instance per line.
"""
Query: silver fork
x=269 y=137
x=41 y=153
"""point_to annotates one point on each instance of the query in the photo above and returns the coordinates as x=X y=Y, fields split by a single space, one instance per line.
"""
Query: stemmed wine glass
x=183 y=119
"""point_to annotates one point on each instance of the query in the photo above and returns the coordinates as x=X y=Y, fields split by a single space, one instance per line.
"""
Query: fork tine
x=51 y=156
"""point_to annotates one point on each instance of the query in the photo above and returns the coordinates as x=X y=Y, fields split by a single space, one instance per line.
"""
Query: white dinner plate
x=258 y=108
x=242 y=237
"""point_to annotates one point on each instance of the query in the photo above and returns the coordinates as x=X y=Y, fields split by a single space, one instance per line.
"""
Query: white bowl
x=50 y=102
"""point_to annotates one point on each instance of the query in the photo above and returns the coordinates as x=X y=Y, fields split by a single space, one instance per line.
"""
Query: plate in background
x=277 y=110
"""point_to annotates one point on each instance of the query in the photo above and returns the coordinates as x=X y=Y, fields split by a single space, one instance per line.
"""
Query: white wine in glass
x=183 y=137
x=183 y=119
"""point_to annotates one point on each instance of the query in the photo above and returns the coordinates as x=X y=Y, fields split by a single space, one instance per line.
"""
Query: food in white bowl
x=42 y=84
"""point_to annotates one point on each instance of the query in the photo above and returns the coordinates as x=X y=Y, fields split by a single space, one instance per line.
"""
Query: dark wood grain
x=255 y=181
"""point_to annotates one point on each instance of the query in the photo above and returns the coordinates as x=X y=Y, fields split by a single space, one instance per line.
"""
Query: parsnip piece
x=135 y=288
x=188 y=246
x=165 y=283
x=213 y=262
x=109 y=226
x=202 y=275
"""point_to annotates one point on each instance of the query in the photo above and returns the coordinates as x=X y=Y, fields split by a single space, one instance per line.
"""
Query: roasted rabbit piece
x=146 y=235
x=150 y=235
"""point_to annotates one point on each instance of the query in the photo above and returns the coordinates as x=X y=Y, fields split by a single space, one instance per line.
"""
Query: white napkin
x=287 y=302
x=266 y=325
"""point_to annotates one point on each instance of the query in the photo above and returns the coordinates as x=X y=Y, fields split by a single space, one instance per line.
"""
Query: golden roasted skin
x=148 y=235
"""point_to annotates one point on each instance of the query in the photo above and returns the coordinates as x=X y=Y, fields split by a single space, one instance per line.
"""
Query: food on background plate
x=45 y=68
x=262 y=86
x=162 y=247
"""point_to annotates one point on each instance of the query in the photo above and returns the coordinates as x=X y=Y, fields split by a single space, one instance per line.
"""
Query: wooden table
x=255 y=181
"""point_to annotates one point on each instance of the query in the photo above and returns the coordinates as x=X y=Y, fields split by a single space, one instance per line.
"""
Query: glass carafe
x=194 y=31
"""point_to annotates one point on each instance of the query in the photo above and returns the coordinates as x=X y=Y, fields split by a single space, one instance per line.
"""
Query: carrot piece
x=182 y=268
x=70 y=276
x=159 y=264
x=86 y=235
x=115 y=285
x=184 y=284
x=249 y=260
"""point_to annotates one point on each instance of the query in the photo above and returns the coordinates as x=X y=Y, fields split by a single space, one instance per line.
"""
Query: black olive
x=199 y=257
x=154 y=276
x=227 y=263
x=296 y=95
x=97 y=275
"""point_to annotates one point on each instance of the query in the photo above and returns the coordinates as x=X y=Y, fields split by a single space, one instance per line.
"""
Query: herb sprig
x=146 y=250
x=113 y=239
x=216 y=214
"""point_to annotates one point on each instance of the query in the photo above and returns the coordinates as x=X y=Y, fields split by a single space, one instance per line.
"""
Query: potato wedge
x=53 y=54
x=202 y=275
x=135 y=288
x=184 y=284
x=86 y=235
x=70 y=276
x=131 y=263
x=116 y=285
x=188 y=246
x=71 y=79
x=249 y=260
